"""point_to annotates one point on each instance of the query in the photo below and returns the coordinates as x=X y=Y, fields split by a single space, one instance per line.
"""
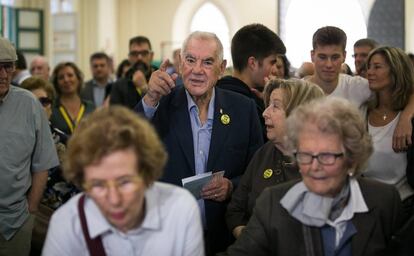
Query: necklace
x=384 y=114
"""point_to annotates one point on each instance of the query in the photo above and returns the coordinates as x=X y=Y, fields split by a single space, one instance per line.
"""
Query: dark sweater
x=236 y=85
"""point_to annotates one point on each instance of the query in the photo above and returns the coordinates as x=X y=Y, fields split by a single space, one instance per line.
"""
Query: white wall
x=409 y=26
x=107 y=25
x=170 y=23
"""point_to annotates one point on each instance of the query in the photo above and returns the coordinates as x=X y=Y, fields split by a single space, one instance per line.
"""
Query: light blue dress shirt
x=99 y=93
x=201 y=140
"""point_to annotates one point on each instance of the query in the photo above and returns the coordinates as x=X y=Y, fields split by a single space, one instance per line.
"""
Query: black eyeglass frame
x=143 y=53
x=318 y=157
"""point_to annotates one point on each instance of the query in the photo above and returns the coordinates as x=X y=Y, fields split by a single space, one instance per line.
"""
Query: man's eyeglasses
x=143 y=53
x=123 y=185
x=323 y=158
x=45 y=101
x=8 y=67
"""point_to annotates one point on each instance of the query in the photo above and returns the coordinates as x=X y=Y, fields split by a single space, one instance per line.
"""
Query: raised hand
x=160 y=84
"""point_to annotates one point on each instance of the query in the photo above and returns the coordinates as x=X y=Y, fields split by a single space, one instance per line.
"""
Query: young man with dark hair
x=254 y=50
x=96 y=89
x=327 y=55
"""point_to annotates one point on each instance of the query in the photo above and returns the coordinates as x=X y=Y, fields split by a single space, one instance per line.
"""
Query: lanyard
x=71 y=124
x=139 y=91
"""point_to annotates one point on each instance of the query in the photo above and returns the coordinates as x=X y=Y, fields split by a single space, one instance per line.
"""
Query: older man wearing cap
x=26 y=153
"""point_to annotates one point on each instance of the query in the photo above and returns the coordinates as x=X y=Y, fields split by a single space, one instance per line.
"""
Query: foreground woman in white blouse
x=116 y=157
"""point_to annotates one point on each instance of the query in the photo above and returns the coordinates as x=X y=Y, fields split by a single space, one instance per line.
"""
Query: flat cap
x=7 y=51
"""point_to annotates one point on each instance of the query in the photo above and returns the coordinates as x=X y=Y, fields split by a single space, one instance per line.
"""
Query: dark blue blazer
x=231 y=148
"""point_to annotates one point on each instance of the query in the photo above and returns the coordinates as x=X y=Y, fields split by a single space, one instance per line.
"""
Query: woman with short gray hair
x=331 y=211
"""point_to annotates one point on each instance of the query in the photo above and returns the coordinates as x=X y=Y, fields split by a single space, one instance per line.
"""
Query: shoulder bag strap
x=95 y=245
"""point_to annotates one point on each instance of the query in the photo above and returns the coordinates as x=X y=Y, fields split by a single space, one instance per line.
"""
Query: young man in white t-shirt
x=327 y=55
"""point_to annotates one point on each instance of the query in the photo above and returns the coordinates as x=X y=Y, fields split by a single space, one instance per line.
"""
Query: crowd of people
x=317 y=161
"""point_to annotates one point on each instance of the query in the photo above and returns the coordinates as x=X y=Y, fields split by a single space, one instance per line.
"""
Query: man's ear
x=344 y=56
x=223 y=67
x=312 y=55
x=252 y=63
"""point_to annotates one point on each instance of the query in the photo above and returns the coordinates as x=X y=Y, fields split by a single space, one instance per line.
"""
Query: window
x=209 y=18
x=58 y=6
x=304 y=17
x=7 y=2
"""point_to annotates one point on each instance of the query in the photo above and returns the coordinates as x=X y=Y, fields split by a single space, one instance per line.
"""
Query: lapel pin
x=224 y=118
x=267 y=173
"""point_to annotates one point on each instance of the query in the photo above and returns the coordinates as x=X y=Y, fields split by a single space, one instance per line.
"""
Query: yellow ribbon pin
x=267 y=173
x=225 y=119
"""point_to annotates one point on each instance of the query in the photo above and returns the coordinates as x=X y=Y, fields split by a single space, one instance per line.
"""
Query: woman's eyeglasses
x=45 y=101
x=124 y=185
x=325 y=158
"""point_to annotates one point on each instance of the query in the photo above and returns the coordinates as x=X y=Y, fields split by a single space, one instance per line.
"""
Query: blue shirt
x=201 y=140
x=201 y=133
x=344 y=248
x=99 y=93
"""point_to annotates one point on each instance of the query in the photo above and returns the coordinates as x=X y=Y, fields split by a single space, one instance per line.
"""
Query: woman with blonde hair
x=271 y=163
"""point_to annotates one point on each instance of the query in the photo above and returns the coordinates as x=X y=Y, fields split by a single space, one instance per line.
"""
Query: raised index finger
x=164 y=65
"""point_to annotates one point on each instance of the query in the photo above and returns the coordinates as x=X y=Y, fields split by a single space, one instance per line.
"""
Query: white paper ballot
x=196 y=183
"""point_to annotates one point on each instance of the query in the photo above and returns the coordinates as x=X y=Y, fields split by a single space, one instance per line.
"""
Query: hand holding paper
x=218 y=189
x=196 y=183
